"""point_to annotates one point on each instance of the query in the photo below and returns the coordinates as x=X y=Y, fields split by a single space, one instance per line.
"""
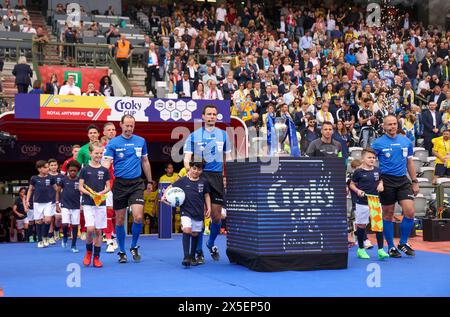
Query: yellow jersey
x=442 y=148
x=168 y=179
x=149 y=203
x=182 y=172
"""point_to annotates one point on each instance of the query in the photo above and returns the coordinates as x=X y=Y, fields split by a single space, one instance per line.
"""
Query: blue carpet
x=28 y=271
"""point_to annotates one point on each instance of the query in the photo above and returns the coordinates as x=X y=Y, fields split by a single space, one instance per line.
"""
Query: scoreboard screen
x=296 y=213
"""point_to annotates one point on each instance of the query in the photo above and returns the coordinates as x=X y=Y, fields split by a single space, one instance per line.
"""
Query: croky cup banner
x=101 y=108
x=376 y=217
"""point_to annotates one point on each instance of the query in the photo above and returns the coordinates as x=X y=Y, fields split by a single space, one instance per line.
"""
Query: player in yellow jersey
x=151 y=206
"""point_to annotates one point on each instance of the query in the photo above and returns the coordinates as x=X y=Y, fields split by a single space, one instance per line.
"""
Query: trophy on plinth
x=281 y=133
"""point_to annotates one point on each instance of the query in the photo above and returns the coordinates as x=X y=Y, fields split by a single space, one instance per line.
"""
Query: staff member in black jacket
x=23 y=74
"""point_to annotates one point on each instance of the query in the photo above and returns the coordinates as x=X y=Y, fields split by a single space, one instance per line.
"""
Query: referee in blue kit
x=395 y=153
x=128 y=153
x=210 y=144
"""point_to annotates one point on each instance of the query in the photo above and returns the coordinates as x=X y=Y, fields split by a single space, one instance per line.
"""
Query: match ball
x=175 y=196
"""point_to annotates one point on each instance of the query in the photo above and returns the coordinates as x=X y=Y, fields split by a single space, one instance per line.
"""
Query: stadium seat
x=355 y=152
x=431 y=161
x=425 y=191
x=417 y=163
x=420 y=206
x=421 y=153
x=427 y=172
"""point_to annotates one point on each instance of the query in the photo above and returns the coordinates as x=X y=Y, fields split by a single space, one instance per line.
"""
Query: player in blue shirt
x=68 y=203
x=56 y=222
x=128 y=153
x=395 y=154
x=210 y=144
x=193 y=211
x=41 y=189
x=96 y=177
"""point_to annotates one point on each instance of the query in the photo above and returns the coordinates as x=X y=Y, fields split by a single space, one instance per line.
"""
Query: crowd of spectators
x=324 y=63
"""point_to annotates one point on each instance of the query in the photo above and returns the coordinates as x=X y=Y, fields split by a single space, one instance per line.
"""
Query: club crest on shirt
x=200 y=188
x=376 y=176
x=47 y=182
x=388 y=155
x=101 y=175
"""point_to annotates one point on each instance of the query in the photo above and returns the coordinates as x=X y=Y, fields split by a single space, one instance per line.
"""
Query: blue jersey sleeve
x=188 y=144
x=109 y=152
x=410 y=149
x=144 y=148
x=227 y=148
x=83 y=173
x=33 y=181
x=106 y=177
x=356 y=176
x=376 y=147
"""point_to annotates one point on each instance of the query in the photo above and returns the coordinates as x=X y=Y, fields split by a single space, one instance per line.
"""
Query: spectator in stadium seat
x=111 y=34
x=92 y=91
x=106 y=87
x=70 y=88
x=124 y=49
x=185 y=87
x=432 y=122
x=23 y=74
x=14 y=26
x=199 y=93
x=37 y=87
x=60 y=9
x=52 y=87
x=146 y=42
x=213 y=93
x=229 y=87
x=2 y=25
x=152 y=64
x=28 y=28
x=110 y=11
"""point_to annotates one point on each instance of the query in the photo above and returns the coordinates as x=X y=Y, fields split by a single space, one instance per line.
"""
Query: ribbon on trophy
x=271 y=135
x=293 y=141
x=96 y=197
x=376 y=218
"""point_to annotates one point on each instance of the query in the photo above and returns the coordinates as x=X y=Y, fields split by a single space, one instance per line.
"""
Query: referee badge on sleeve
x=220 y=146
x=405 y=151
x=138 y=151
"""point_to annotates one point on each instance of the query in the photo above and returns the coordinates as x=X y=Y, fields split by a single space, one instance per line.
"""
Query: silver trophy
x=280 y=131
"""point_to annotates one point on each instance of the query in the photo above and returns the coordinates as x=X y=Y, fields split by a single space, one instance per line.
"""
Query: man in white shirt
x=185 y=87
x=361 y=56
x=222 y=35
x=209 y=76
x=306 y=41
x=221 y=13
x=424 y=87
x=152 y=62
x=213 y=93
x=289 y=97
x=70 y=88
x=29 y=28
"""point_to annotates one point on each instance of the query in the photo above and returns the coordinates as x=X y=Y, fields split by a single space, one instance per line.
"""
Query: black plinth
x=293 y=218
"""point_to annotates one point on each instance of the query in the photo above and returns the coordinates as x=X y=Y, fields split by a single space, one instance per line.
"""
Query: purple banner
x=34 y=151
x=101 y=108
